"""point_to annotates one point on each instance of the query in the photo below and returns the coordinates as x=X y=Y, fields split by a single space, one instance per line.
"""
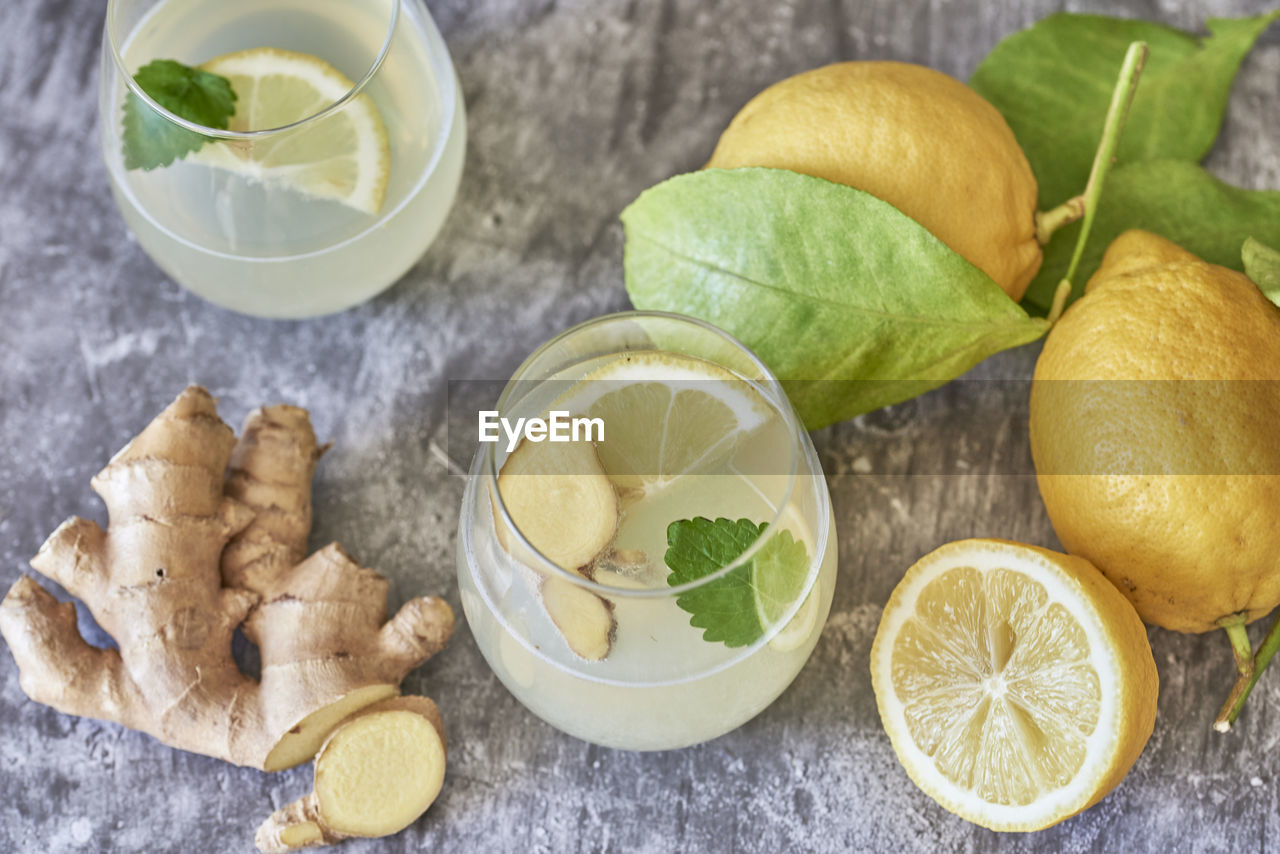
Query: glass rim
x=262 y=133
x=795 y=432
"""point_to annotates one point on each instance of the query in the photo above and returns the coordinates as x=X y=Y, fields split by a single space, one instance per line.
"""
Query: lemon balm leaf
x=724 y=608
x=737 y=608
x=1053 y=81
x=196 y=95
x=1262 y=264
x=851 y=303
x=150 y=140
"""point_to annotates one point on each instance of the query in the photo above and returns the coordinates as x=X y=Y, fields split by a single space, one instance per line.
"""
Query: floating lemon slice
x=665 y=415
x=668 y=416
x=794 y=634
x=343 y=156
x=777 y=590
x=1016 y=683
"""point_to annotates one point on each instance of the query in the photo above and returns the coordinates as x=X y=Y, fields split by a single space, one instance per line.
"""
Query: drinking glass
x=663 y=682
x=300 y=219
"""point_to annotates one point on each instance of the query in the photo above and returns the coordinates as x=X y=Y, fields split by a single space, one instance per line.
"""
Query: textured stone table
x=575 y=106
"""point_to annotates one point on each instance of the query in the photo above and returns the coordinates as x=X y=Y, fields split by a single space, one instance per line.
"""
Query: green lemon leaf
x=850 y=302
x=1262 y=264
x=1175 y=199
x=737 y=608
x=198 y=96
x=1053 y=83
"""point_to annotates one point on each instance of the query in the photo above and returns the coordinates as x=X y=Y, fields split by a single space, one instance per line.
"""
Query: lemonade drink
x=261 y=246
x=665 y=682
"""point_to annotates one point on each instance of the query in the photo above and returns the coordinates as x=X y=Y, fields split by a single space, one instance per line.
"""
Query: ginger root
x=374 y=775
x=190 y=554
x=566 y=508
x=320 y=626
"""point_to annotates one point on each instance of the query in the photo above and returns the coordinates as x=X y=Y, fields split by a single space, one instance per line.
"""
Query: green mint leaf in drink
x=737 y=608
x=150 y=140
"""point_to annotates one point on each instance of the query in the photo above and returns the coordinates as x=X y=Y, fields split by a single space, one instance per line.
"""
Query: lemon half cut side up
x=1016 y=684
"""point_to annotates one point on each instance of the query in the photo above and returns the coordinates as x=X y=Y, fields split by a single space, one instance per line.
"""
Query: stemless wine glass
x=335 y=172
x=713 y=588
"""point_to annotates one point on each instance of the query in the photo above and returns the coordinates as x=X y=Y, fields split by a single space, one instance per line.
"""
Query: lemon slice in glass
x=665 y=415
x=794 y=634
x=778 y=584
x=343 y=156
x=1016 y=683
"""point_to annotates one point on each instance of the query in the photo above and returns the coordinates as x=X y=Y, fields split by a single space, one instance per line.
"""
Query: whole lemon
x=914 y=137
x=1155 y=429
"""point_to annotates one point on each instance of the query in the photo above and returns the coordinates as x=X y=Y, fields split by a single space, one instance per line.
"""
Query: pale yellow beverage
x=261 y=246
x=664 y=683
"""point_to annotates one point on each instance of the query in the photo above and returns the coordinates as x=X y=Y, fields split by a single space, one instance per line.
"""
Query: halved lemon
x=1015 y=683
x=343 y=156
x=665 y=415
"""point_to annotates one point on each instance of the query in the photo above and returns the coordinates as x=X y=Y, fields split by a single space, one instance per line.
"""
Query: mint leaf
x=198 y=96
x=725 y=608
x=1175 y=199
x=1262 y=264
x=1053 y=81
x=737 y=608
x=849 y=301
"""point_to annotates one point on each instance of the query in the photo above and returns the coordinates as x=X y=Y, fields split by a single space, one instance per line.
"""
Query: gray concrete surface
x=575 y=106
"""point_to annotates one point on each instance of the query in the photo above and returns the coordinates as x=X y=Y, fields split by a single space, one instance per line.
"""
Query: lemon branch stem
x=1257 y=663
x=1047 y=222
x=1085 y=206
x=1241 y=648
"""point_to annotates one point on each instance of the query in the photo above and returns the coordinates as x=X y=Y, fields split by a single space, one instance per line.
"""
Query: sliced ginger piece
x=561 y=501
x=583 y=618
x=565 y=506
x=375 y=775
x=301 y=743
